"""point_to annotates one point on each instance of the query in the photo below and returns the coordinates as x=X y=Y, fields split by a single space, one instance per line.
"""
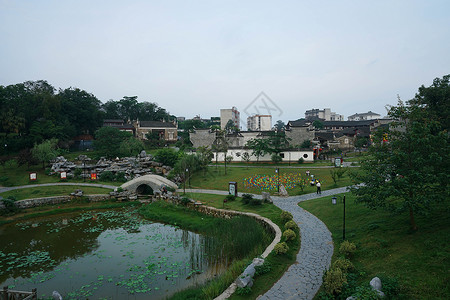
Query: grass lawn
x=216 y=179
x=48 y=191
x=279 y=263
x=385 y=245
x=13 y=175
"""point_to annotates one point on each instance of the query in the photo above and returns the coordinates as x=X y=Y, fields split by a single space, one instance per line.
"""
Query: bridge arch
x=155 y=182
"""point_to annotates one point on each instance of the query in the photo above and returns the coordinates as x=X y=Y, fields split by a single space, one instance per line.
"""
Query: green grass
x=279 y=263
x=13 y=175
x=419 y=260
x=216 y=179
x=48 y=191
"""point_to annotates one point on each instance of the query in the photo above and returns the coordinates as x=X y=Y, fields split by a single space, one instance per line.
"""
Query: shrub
x=365 y=292
x=4 y=178
x=334 y=279
x=290 y=225
x=185 y=200
x=301 y=160
x=246 y=198
x=281 y=248
x=77 y=172
x=10 y=206
x=244 y=291
x=119 y=189
x=107 y=176
x=286 y=216
x=255 y=201
x=391 y=286
x=289 y=234
x=120 y=176
x=344 y=264
x=266 y=267
x=230 y=197
x=347 y=249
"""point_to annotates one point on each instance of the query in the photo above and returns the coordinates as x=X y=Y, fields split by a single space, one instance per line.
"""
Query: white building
x=229 y=114
x=259 y=123
x=324 y=114
x=364 y=116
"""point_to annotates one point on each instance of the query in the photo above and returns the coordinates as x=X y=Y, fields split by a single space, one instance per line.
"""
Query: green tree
x=407 y=167
x=131 y=147
x=260 y=147
x=220 y=144
x=279 y=126
x=306 y=144
x=205 y=155
x=45 y=151
x=276 y=158
x=278 y=142
x=167 y=156
x=230 y=127
x=246 y=158
x=108 y=139
x=318 y=124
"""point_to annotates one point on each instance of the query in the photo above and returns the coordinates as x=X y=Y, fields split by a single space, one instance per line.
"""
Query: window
x=305 y=155
x=282 y=155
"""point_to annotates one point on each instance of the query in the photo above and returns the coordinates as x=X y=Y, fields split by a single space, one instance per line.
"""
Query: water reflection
x=113 y=254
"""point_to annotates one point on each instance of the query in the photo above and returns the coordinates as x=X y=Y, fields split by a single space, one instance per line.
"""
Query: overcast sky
x=195 y=57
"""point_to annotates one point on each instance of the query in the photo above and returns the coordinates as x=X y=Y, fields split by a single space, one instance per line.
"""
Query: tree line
x=34 y=111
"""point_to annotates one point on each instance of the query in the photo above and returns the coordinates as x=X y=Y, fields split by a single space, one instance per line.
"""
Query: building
x=299 y=131
x=166 y=130
x=119 y=124
x=323 y=114
x=229 y=114
x=364 y=116
x=259 y=123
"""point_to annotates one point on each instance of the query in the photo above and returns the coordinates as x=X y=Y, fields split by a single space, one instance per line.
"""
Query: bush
x=365 y=292
x=246 y=198
x=255 y=201
x=281 y=248
x=289 y=234
x=107 y=176
x=333 y=281
x=266 y=267
x=230 y=197
x=185 y=200
x=301 y=160
x=276 y=158
x=244 y=291
x=390 y=286
x=120 y=177
x=77 y=172
x=290 y=225
x=10 y=206
x=286 y=216
x=344 y=264
x=347 y=249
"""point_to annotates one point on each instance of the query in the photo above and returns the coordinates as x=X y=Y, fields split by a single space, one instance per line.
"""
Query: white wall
x=293 y=156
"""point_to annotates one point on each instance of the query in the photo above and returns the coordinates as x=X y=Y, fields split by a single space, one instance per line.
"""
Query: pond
x=112 y=254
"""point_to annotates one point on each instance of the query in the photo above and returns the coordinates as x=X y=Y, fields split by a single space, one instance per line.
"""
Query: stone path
x=303 y=279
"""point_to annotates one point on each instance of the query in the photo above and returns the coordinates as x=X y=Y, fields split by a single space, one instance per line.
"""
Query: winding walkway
x=303 y=278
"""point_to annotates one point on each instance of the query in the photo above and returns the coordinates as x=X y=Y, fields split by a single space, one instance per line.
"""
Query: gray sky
x=195 y=57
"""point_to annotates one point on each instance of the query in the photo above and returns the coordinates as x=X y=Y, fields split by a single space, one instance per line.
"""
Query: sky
x=196 y=57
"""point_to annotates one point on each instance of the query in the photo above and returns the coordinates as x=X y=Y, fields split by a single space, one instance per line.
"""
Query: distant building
x=166 y=130
x=119 y=124
x=323 y=114
x=229 y=114
x=181 y=119
x=259 y=123
x=364 y=116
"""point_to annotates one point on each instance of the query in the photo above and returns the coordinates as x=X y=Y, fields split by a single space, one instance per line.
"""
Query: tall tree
x=45 y=151
x=260 y=147
x=108 y=139
x=407 y=167
x=279 y=126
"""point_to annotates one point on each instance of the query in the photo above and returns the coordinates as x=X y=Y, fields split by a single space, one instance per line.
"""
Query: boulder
x=266 y=197
x=375 y=283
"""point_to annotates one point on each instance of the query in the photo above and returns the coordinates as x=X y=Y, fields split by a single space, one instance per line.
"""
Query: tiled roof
x=156 y=124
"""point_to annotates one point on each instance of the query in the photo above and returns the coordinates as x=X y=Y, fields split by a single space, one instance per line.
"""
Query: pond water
x=111 y=254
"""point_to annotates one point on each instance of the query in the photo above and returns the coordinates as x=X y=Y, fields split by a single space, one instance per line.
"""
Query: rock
x=266 y=197
x=351 y=298
x=245 y=279
x=283 y=191
x=143 y=154
x=56 y=296
x=375 y=283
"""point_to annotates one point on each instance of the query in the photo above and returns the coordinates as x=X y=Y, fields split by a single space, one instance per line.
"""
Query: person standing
x=319 y=191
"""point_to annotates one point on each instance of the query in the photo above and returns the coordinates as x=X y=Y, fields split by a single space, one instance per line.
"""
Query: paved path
x=6 y=189
x=303 y=278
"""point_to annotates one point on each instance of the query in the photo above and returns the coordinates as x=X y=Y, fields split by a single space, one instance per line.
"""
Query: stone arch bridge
x=155 y=182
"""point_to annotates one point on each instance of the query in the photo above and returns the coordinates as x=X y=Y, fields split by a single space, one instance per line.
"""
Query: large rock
x=375 y=283
x=266 y=197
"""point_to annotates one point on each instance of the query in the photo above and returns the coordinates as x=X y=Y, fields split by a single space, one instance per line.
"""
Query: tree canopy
x=407 y=166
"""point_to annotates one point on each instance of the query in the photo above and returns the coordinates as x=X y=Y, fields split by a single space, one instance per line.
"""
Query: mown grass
x=385 y=246
x=11 y=174
x=216 y=179
x=279 y=263
x=49 y=191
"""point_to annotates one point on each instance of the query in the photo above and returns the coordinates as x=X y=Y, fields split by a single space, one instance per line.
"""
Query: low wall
x=28 y=203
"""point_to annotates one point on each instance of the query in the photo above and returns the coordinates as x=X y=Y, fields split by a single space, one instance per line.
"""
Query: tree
x=246 y=158
x=278 y=142
x=230 y=127
x=167 y=156
x=204 y=155
x=276 y=158
x=220 y=144
x=45 y=151
x=306 y=144
x=108 y=139
x=131 y=147
x=279 y=126
x=259 y=147
x=228 y=159
x=407 y=166
x=318 y=124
